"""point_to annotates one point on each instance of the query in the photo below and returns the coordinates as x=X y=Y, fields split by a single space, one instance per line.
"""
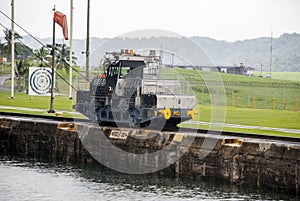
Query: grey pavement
x=33 y=109
x=3 y=78
x=244 y=126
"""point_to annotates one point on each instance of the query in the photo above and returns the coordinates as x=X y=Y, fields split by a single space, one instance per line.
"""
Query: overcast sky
x=228 y=20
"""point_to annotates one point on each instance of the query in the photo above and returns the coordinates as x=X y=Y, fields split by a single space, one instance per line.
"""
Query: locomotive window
x=112 y=70
x=131 y=69
x=124 y=71
x=152 y=68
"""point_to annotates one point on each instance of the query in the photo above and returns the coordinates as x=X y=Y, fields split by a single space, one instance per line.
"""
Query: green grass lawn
x=21 y=100
x=255 y=117
x=244 y=89
x=287 y=76
x=39 y=102
x=277 y=77
x=252 y=117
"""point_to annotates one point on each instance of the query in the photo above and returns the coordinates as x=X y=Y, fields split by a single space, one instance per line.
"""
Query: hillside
x=254 y=52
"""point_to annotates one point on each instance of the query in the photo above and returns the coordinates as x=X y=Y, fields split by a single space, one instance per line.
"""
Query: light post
x=87 y=51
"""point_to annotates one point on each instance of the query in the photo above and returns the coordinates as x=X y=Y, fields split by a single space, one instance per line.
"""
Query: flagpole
x=71 y=53
x=87 y=51
x=12 y=48
x=53 y=68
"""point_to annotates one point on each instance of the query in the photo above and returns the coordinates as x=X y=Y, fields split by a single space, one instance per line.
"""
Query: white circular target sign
x=40 y=81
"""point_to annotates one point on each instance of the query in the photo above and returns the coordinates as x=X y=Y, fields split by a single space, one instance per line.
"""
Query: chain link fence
x=250 y=94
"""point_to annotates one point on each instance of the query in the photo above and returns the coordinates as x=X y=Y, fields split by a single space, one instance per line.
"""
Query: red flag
x=61 y=19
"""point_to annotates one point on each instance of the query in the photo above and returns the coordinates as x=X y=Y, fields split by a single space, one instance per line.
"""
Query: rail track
x=189 y=131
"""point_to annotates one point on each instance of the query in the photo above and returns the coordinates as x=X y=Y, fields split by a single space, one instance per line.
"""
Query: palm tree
x=42 y=54
x=7 y=34
x=21 y=50
x=21 y=70
x=7 y=46
x=63 y=57
x=1 y=48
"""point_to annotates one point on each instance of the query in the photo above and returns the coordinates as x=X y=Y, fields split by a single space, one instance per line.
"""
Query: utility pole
x=161 y=53
x=87 y=51
x=12 y=48
x=271 y=54
x=71 y=53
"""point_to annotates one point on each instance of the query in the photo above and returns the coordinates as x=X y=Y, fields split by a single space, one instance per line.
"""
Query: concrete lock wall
x=273 y=165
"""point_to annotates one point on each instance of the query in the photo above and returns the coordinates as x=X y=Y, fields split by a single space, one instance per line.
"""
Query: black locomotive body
x=133 y=92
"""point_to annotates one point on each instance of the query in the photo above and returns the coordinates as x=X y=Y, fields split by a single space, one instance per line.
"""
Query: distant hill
x=254 y=52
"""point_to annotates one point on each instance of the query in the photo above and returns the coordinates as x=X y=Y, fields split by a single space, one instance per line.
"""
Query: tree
x=21 y=71
x=1 y=48
x=42 y=54
x=63 y=57
x=7 y=45
x=21 y=50
x=8 y=34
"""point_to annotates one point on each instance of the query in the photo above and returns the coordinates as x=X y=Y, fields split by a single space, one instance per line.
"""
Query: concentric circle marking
x=40 y=81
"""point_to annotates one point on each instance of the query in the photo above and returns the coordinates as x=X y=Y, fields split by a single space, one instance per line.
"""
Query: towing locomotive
x=134 y=92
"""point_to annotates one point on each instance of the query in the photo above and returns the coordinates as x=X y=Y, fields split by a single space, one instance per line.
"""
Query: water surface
x=21 y=180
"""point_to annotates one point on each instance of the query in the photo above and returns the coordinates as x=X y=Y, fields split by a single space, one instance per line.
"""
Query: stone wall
x=39 y=140
x=249 y=162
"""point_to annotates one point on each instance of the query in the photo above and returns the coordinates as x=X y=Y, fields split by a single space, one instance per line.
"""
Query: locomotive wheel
x=145 y=124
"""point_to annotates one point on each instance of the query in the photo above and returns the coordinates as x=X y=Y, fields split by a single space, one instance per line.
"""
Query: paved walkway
x=245 y=127
x=3 y=78
x=33 y=109
x=189 y=122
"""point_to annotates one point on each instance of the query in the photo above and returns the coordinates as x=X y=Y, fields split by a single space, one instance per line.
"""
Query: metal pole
x=249 y=94
x=284 y=97
x=71 y=53
x=87 y=52
x=53 y=69
x=12 y=48
x=265 y=103
x=271 y=54
x=232 y=88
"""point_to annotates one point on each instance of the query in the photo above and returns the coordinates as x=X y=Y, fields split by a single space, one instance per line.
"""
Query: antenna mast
x=271 y=54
